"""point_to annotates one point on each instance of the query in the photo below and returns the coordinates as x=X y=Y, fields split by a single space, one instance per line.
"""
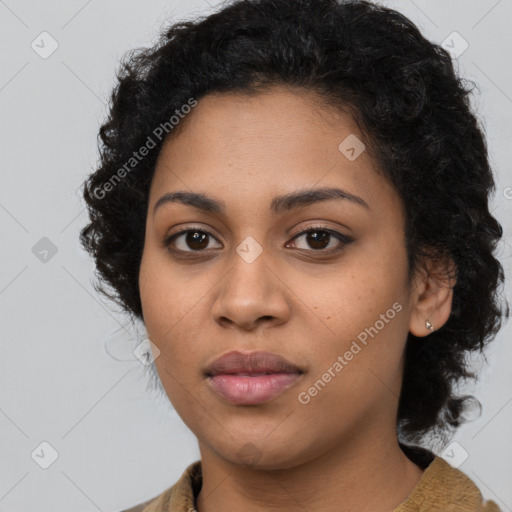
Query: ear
x=432 y=295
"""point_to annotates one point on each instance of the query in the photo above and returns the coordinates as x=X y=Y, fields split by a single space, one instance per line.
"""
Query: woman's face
x=338 y=309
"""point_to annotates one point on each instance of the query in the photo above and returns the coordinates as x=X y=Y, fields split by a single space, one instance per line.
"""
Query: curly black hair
x=404 y=94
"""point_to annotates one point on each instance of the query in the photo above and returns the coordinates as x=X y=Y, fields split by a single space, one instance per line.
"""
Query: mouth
x=251 y=378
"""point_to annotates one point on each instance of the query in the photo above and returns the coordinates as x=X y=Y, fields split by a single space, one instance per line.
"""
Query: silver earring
x=429 y=326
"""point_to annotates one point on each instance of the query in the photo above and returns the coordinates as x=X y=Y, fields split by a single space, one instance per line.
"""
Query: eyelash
x=343 y=239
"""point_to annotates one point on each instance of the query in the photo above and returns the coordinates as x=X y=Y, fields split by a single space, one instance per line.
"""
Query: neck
x=361 y=476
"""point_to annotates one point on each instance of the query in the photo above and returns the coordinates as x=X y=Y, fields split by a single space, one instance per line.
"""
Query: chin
x=260 y=454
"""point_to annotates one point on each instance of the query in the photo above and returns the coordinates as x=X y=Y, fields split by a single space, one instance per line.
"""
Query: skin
x=334 y=452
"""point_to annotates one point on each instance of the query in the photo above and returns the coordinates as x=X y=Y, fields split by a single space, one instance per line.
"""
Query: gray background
x=67 y=374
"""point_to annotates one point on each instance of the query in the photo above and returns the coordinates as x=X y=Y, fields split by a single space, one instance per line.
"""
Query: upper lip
x=250 y=362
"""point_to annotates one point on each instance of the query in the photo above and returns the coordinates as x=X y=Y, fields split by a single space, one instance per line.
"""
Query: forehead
x=235 y=145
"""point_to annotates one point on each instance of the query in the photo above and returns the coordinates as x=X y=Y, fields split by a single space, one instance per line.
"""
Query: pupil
x=316 y=241
x=197 y=238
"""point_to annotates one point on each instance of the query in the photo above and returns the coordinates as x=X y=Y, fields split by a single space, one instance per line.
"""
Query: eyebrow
x=278 y=205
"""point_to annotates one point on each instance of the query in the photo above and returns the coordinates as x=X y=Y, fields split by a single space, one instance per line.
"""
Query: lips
x=251 y=378
x=251 y=363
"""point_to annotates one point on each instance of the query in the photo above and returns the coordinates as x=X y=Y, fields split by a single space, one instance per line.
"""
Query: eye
x=195 y=239
x=319 y=238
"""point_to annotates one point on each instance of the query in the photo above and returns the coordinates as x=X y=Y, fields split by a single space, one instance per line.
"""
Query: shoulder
x=139 y=508
x=443 y=487
x=459 y=487
x=160 y=503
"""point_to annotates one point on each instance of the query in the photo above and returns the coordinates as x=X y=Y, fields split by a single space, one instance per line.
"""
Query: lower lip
x=245 y=390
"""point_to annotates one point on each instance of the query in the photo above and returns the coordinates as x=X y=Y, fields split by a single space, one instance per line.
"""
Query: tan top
x=440 y=488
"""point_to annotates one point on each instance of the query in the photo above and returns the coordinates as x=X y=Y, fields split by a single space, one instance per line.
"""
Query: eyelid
x=342 y=238
x=319 y=227
x=170 y=238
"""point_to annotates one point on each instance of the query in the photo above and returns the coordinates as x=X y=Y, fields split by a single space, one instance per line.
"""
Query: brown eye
x=319 y=239
x=189 y=240
x=196 y=240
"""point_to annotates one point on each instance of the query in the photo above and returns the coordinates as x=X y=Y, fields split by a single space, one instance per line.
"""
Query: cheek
x=364 y=320
x=157 y=292
x=164 y=296
x=351 y=296
x=172 y=305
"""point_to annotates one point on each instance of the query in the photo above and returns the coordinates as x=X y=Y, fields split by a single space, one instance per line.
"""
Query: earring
x=429 y=326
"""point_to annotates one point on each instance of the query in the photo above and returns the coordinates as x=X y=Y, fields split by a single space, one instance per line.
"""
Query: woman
x=293 y=198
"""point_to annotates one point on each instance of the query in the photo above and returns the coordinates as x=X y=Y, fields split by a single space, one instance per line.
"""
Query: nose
x=252 y=295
